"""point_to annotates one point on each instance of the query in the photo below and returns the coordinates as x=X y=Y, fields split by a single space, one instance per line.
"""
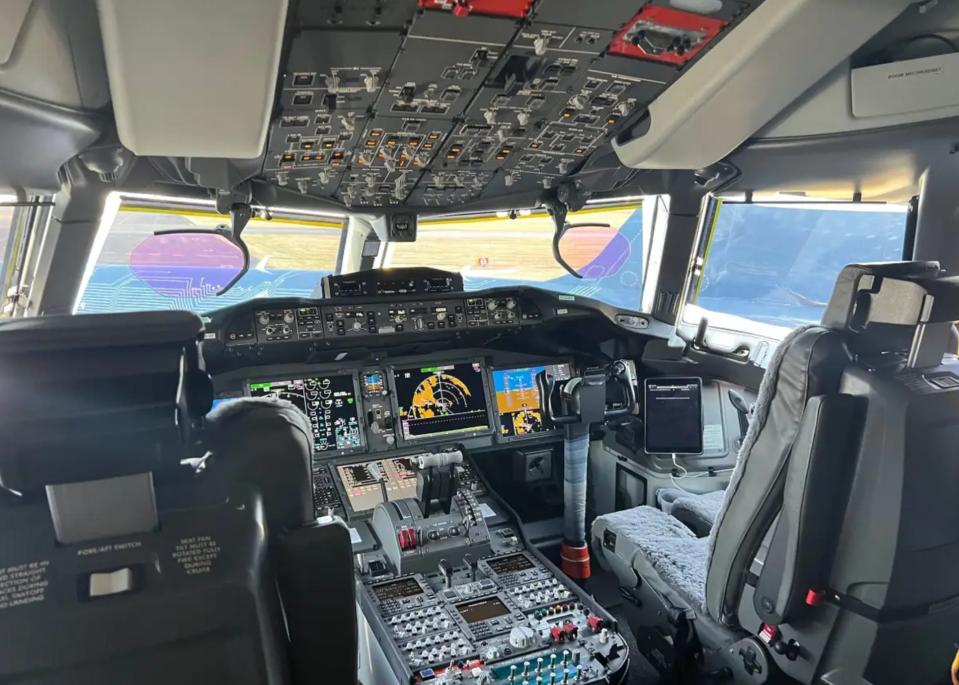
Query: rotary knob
x=522 y=637
x=263 y=318
x=510 y=303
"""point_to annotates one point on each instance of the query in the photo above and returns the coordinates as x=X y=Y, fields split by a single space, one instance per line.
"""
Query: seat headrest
x=96 y=396
x=879 y=306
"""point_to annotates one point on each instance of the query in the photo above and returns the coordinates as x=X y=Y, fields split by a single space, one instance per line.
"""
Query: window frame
x=28 y=223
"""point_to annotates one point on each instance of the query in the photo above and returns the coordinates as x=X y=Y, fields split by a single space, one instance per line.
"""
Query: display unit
x=517 y=405
x=673 y=421
x=445 y=400
x=360 y=481
x=331 y=404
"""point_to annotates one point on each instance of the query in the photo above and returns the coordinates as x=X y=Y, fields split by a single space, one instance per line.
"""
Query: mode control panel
x=426 y=316
x=306 y=322
x=353 y=319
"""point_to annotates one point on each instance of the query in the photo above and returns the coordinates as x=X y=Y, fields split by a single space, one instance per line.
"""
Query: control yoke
x=582 y=402
x=583 y=399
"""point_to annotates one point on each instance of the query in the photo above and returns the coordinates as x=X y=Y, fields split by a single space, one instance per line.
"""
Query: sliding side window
x=767 y=267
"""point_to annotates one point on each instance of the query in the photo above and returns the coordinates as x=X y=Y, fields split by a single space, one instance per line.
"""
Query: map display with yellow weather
x=439 y=400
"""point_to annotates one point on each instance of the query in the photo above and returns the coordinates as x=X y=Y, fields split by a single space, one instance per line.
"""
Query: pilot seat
x=831 y=556
x=142 y=543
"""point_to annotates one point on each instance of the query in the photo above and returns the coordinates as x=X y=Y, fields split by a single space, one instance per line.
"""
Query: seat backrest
x=268 y=444
x=118 y=564
x=839 y=517
x=808 y=363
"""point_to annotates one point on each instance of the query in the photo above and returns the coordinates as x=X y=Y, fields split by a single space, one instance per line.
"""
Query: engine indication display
x=361 y=482
x=518 y=402
x=441 y=400
x=328 y=401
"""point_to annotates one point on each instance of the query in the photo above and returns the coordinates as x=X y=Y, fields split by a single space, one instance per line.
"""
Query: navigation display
x=361 y=482
x=518 y=403
x=441 y=400
x=328 y=401
x=674 y=415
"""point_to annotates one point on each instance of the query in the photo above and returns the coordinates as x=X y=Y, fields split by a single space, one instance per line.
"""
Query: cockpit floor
x=604 y=588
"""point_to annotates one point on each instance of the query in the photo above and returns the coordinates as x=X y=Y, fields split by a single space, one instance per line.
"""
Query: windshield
x=135 y=267
x=288 y=257
x=776 y=264
x=493 y=251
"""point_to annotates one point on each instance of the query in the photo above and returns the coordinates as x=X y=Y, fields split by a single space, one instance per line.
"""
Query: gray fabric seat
x=697 y=511
x=666 y=554
x=659 y=548
x=822 y=543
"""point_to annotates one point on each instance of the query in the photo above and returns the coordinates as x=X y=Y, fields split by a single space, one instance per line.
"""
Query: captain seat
x=815 y=565
x=130 y=553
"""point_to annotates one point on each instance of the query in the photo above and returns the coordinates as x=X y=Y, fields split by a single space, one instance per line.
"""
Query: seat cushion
x=645 y=542
x=699 y=512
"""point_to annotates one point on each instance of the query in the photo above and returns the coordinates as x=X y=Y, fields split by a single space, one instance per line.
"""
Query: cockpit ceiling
x=438 y=102
x=426 y=104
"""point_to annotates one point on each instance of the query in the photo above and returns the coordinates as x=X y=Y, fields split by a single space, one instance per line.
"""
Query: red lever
x=595 y=623
x=815 y=597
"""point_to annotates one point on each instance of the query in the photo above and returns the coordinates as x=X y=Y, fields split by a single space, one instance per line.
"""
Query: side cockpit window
x=766 y=267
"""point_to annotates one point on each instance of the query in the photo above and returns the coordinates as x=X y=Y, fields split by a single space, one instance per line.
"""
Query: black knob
x=446 y=569
x=471 y=563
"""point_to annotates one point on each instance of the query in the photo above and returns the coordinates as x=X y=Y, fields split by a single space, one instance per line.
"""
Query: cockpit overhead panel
x=437 y=103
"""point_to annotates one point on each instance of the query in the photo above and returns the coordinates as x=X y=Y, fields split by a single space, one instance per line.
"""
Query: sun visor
x=193 y=79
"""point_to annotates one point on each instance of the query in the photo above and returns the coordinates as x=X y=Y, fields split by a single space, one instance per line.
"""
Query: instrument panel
x=388 y=409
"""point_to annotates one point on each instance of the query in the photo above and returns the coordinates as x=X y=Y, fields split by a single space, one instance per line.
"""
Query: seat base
x=647 y=543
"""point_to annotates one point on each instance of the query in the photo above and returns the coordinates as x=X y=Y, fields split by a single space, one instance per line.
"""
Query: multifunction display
x=518 y=401
x=328 y=401
x=441 y=400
